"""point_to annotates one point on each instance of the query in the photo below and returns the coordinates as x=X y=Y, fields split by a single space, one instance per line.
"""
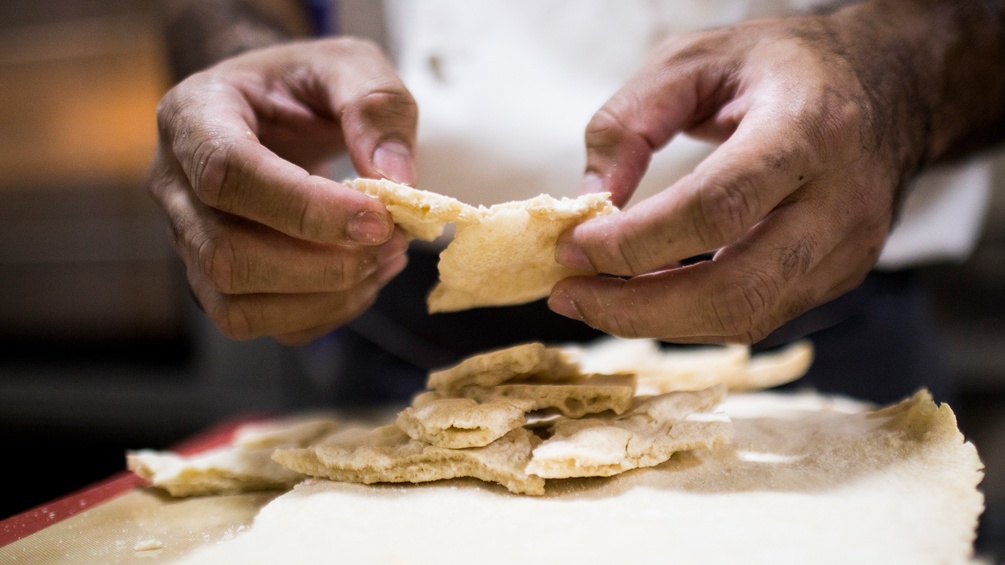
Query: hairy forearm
x=937 y=67
x=970 y=101
x=200 y=33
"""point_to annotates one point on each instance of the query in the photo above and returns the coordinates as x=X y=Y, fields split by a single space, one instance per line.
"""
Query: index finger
x=211 y=122
x=735 y=187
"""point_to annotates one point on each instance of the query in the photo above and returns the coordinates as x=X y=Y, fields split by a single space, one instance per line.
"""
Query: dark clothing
x=875 y=343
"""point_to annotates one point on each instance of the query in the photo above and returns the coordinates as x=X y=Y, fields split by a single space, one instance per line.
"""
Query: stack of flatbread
x=515 y=416
x=472 y=422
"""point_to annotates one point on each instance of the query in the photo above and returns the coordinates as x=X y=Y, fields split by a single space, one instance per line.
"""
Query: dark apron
x=877 y=342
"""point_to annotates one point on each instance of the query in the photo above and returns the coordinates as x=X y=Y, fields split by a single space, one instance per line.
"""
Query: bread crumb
x=148 y=545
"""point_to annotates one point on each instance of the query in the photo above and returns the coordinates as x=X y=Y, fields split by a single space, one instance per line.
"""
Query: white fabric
x=506 y=87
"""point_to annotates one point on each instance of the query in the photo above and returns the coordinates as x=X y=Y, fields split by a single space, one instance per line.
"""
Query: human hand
x=819 y=136
x=270 y=247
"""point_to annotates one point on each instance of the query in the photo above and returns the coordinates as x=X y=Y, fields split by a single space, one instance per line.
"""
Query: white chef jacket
x=505 y=89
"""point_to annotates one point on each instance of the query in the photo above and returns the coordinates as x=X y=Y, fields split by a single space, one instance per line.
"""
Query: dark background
x=102 y=350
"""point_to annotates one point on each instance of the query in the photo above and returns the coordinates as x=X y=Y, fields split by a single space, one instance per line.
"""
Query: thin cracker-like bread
x=420 y=213
x=459 y=423
x=387 y=455
x=229 y=470
x=646 y=436
x=244 y=465
x=769 y=369
x=508 y=256
x=502 y=365
x=587 y=395
x=500 y=255
x=668 y=370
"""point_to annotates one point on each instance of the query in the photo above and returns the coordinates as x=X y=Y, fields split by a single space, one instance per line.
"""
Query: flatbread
x=508 y=256
x=574 y=399
x=387 y=455
x=419 y=213
x=537 y=376
x=500 y=255
x=244 y=465
x=495 y=367
x=770 y=369
x=228 y=470
x=694 y=368
x=459 y=423
x=649 y=434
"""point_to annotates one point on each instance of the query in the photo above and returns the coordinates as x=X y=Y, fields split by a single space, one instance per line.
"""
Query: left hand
x=796 y=202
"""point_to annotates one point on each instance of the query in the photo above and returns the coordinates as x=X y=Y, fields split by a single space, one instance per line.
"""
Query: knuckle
x=222 y=264
x=357 y=44
x=160 y=176
x=725 y=208
x=236 y=321
x=333 y=276
x=839 y=128
x=385 y=101
x=844 y=118
x=742 y=308
x=211 y=170
x=634 y=257
x=796 y=260
x=229 y=314
x=347 y=272
x=605 y=128
x=169 y=108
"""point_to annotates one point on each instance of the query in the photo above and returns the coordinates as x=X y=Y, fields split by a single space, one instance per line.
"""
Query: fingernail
x=572 y=256
x=561 y=303
x=369 y=227
x=592 y=184
x=393 y=160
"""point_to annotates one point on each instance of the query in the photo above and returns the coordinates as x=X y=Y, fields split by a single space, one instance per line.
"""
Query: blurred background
x=103 y=350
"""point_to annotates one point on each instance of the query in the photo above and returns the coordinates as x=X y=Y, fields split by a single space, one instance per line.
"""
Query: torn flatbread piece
x=772 y=368
x=228 y=470
x=574 y=399
x=387 y=455
x=646 y=436
x=420 y=213
x=459 y=423
x=508 y=256
x=500 y=255
x=244 y=465
x=694 y=368
x=503 y=365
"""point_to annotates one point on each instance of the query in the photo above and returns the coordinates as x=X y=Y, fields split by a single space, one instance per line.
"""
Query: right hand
x=270 y=247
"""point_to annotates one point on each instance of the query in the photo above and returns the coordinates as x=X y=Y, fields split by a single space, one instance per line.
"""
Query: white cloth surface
x=808 y=479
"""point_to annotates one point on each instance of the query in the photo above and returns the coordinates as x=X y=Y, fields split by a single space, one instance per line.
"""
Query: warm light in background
x=78 y=100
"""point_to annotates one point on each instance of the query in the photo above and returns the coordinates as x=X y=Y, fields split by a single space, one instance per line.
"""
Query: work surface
x=806 y=479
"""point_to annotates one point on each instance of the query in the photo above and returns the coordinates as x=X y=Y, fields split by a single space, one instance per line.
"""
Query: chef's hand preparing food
x=271 y=248
x=823 y=121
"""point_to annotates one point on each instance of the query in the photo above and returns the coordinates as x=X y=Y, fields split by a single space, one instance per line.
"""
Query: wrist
x=936 y=68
